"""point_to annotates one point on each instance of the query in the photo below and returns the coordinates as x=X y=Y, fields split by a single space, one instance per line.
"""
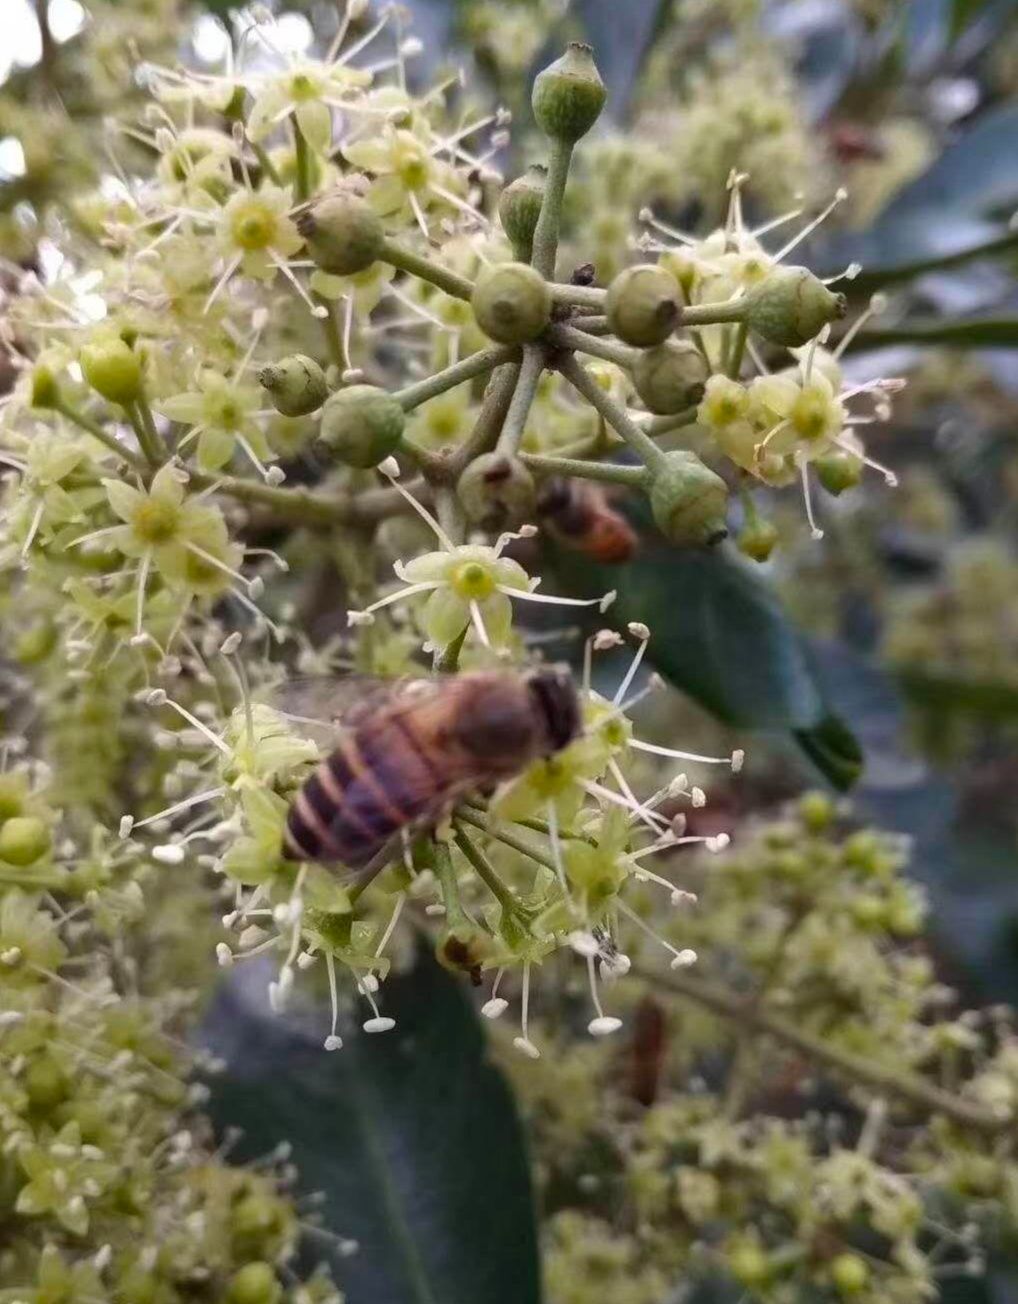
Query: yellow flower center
x=614 y=733
x=810 y=416
x=411 y=164
x=254 y=226
x=226 y=414
x=302 y=87
x=472 y=581
x=550 y=777
x=156 y=521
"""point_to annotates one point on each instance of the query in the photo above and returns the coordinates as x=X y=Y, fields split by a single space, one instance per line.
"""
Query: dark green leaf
x=834 y=750
x=411 y=1135
x=721 y=636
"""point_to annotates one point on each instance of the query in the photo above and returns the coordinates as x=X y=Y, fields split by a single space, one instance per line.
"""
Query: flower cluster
x=114 y=1189
x=294 y=394
x=779 y=1169
x=236 y=332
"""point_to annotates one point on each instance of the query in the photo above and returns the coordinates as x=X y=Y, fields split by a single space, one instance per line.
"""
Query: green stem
x=750 y=1014
x=531 y=370
x=608 y=472
x=500 y=834
x=568 y=337
x=713 y=314
x=84 y=422
x=595 y=324
x=331 y=331
x=484 y=360
x=446 y=875
x=142 y=435
x=311 y=508
x=662 y=425
x=546 y=231
x=482 y=438
x=265 y=163
x=738 y=349
x=617 y=417
x=583 y=296
x=405 y=260
x=152 y=431
x=485 y=871
x=302 y=178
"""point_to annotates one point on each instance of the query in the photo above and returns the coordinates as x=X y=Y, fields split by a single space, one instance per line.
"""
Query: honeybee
x=408 y=752
x=579 y=516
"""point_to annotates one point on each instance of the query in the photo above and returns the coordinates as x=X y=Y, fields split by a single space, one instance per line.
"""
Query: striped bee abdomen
x=360 y=796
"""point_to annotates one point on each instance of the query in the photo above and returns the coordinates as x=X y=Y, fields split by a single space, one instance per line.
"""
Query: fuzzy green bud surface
x=295 y=385
x=255 y=1283
x=758 y=539
x=519 y=207
x=112 y=369
x=343 y=232
x=839 y=471
x=670 y=376
x=497 y=491
x=569 y=94
x=688 y=500
x=512 y=303
x=361 y=425
x=643 y=305
x=792 y=306
x=23 y=840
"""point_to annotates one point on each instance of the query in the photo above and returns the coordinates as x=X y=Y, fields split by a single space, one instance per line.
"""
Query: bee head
x=554 y=695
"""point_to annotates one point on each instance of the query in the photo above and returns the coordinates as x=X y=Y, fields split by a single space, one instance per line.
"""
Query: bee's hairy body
x=405 y=762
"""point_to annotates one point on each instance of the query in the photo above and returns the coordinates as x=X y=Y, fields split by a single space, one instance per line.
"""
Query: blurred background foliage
x=884 y=659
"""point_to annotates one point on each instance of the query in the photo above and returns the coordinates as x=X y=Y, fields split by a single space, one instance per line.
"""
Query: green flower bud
x=519 y=207
x=749 y=1265
x=816 y=810
x=512 y=302
x=850 y=1273
x=344 y=234
x=643 y=305
x=45 y=390
x=757 y=539
x=671 y=376
x=839 y=471
x=295 y=385
x=497 y=491
x=688 y=500
x=259 y=1221
x=361 y=425
x=112 y=369
x=791 y=307
x=46 y=1083
x=23 y=840
x=255 y=1283
x=569 y=94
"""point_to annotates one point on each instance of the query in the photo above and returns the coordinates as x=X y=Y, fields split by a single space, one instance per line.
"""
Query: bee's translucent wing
x=321 y=706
